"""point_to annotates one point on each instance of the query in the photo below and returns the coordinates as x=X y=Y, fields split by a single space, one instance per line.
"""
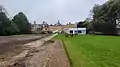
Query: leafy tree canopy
x=22 y=23
x=105 y=16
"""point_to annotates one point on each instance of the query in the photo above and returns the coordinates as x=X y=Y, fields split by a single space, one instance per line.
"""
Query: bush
x=49 y=32
x=43 y=32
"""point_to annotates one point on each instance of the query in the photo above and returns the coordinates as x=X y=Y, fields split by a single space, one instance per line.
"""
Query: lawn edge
x=66 y=51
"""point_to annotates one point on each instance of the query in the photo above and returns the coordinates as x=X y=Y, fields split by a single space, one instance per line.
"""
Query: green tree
x=105 y=16
x=22 y=23
x=81 y=24
x=6 y=26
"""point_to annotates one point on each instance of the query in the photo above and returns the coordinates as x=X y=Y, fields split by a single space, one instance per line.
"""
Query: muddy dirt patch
x=51 y=54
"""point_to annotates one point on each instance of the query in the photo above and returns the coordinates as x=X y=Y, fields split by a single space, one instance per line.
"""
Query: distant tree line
x=18 y=25
x=104 y=17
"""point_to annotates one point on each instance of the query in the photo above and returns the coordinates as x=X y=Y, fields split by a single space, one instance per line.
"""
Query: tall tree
x=82 y=24
x=6 y=26
x=105 y=16
x=22 y=23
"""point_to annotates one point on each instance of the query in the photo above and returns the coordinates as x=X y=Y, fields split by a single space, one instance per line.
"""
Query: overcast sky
x=51 y=10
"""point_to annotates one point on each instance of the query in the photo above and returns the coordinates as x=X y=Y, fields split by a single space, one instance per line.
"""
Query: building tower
x=58 y=23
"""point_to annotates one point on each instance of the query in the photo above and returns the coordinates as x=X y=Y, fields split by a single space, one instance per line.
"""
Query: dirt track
x=13 y=45
x=51 y=54
x=8 y=43
x=40 y=53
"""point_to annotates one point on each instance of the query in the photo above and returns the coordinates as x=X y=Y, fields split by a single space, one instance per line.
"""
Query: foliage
x=49 y=32
x=43 y=32
x=81 y=24
x=6 y=26
x=22 y=23
x=84 y=24
x=105 y=16
x=18 y=25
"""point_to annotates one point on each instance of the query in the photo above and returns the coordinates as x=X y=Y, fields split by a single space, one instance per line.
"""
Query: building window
x=76 y=31
x=71 y=31
x=79 y=31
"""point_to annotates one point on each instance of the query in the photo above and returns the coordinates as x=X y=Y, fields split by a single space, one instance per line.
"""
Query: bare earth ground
x=7 y=43
x=40 y=53
x=13 y=45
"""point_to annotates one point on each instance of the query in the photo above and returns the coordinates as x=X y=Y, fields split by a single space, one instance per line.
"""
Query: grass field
x=93 y=51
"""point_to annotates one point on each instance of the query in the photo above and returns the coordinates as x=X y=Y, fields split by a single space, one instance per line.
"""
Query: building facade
x=79 y=31
x=38 y=28
x=60 y=27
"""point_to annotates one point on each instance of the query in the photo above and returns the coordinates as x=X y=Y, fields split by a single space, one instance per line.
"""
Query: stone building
x=60 y=27
x=38 y=28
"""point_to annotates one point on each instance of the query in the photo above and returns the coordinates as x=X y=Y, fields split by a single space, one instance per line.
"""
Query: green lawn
x=93 y=51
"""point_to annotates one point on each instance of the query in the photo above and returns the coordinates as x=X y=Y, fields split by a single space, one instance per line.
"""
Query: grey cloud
x=51 y=10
